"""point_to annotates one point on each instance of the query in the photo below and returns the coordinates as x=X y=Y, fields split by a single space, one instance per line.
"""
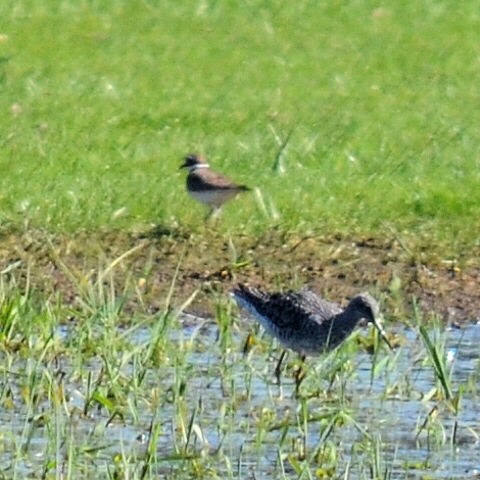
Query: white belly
x=214 y=198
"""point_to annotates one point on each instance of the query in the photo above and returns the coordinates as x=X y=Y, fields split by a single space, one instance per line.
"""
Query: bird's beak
x=183 y=166
x=382 y=333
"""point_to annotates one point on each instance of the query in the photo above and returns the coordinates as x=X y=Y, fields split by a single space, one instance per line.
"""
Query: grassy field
x=356 y=124
x=101 y=100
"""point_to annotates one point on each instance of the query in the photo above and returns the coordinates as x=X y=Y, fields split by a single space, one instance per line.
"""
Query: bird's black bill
x=382 y=333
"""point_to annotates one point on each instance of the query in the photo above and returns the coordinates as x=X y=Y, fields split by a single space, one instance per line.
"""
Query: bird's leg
x=209 y=214
x=278 y=368
x=213 y=214
x=216 y=213
x=248 y=344
x=299 y=374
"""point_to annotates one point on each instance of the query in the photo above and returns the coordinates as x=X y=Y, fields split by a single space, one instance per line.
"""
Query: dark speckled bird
x=304 y=322
x=207 y=186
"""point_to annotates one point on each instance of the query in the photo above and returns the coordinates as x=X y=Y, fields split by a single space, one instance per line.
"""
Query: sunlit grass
x=348 y=118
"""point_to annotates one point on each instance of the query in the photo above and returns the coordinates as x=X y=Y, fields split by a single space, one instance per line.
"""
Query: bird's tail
x=245 y=293
x=249 y=298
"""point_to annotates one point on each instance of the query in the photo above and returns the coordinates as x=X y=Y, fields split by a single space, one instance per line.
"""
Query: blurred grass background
x=100 y=100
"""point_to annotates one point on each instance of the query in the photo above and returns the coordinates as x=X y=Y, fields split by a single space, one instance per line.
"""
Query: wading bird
x=306 y=323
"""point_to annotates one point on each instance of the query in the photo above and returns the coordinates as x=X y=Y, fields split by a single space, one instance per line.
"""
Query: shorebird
x=306 y=323
x=209 y=187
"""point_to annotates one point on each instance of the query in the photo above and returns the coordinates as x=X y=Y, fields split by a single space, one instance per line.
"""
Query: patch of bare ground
x=143 y=268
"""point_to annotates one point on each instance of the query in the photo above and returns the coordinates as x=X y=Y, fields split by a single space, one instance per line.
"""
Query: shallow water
x=252 y=428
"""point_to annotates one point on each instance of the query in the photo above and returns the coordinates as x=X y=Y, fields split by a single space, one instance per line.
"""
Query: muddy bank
x=143 y=267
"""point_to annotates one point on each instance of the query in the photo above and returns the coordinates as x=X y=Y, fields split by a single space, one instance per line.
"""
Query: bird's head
x=367 y=307
x=193 y=161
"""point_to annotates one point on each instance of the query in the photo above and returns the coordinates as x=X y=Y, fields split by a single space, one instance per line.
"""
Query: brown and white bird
x=209 y=187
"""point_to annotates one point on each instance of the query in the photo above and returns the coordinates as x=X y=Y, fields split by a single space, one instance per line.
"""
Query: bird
x=208 y=187
x=306 y=323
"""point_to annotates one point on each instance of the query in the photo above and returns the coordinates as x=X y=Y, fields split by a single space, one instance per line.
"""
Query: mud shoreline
x=147 y=265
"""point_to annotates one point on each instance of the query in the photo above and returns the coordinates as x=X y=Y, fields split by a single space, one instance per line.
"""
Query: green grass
x=349 y=118
x=100 y=101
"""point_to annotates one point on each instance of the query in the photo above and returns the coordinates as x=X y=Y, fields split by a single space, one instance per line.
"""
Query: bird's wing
x=209 y=180
x=286 y=310
x=323 y=309
x=289 y=310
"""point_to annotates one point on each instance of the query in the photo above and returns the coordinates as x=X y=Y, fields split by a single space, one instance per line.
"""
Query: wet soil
x=144 y=266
